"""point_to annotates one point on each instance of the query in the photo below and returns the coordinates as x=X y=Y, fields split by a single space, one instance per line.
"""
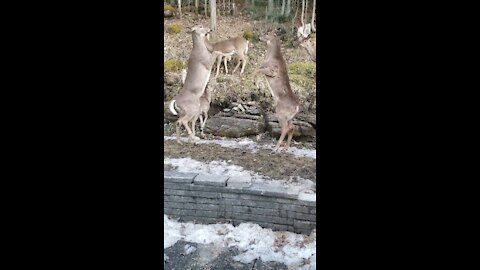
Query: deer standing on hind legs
x=229 y=47
x=286 y=103
x=187 y=102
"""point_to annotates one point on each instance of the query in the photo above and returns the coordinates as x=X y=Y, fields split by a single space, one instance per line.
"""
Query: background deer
x=310 y=49
x=286 y=103
x=205 y=101
x=237 y=46
x=187 y=102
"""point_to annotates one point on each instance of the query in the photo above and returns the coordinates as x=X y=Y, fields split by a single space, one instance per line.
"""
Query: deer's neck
x=198 y=43
x=208 y=45
x=273 y=52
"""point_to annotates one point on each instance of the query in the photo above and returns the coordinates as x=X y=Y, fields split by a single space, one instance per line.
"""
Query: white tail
x=246 y=48
x=187 y=102
x=172 y=107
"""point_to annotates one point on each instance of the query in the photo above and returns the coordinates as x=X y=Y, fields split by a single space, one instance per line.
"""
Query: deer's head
x=198 y=30
x=305 y=43
x=270 y=38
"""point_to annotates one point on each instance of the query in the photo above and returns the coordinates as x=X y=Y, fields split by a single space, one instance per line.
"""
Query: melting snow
x=223 y=168
x=294 y=250
x=247 y=143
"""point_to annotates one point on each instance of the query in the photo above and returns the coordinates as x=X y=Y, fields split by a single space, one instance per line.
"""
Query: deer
x=310 y=49
x=205 y=101
x=286 y=103
x=187 y=102
x=229 y=47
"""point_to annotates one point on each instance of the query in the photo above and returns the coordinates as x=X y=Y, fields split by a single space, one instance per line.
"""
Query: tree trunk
x=303 y=14
x=306 y=15
x=294 y=17
x=283 y=8
x=205 y=8
x=213 y=14
x=270 y=7
x=289 y=7
x=313 y=16
x=196 y=6
x=180 y=8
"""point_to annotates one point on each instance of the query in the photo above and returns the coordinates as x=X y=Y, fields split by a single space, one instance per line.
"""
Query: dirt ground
x=279 y=165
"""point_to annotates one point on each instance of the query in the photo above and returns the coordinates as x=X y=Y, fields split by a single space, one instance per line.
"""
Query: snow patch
x=307 y=195
x=189 y=249
x=294 y=250
x=214 y=167
x=220 y=167
x=246 y=143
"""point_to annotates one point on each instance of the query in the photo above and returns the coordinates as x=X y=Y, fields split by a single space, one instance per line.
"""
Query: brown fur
x=237 y=44
x=286 y=103
x=199 y=67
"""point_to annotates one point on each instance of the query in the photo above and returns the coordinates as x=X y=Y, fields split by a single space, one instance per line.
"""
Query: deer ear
x=188 y=29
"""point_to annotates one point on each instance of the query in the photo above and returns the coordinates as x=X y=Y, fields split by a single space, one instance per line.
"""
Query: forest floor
x=253 y=157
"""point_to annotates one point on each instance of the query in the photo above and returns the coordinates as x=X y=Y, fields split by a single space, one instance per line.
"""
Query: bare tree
x=180 y=8
x=303 y=13
x=289 y=8
x=213 y=14
x=313 y=16
x=283 y=8
x=294 y=17
x=270 y=7
x=196 y=6
x=205 y=8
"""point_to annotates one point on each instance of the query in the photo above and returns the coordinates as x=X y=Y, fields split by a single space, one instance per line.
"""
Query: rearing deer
x=286 y=103
x=237 y=45
x=187 y=102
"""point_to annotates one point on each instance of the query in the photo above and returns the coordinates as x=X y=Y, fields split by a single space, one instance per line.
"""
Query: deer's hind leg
x=244 y=62
x=219 y=62
x=225 y=60
x=240 y=60
x=185 y=121
x=285 y=128
x=194 y=121
x=178 y=125
x=290 y=134
x=203 y=124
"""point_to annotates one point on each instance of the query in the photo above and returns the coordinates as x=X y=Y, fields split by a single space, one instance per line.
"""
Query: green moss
x=249 y=35
x=300 y=80
x=173 y=65
x=168 y=7
x=308 y=70
x=174 y=28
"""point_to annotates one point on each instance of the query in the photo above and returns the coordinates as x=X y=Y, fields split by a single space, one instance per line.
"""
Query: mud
x=281 y=166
